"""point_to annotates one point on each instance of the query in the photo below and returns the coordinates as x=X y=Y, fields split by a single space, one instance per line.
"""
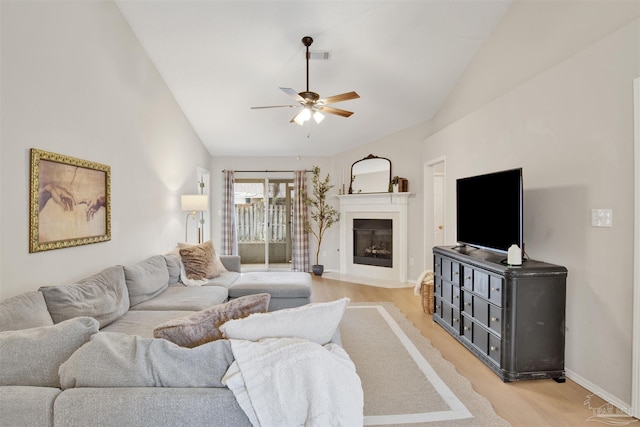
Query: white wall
x=571 y=128
x=76 y=81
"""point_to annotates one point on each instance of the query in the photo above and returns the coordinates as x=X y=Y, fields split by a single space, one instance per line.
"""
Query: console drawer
x=495 y=290
x=495 y=319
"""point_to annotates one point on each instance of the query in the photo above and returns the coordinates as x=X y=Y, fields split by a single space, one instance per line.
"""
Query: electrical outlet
x=602 y=217
x=324 y=254
x=410 y=261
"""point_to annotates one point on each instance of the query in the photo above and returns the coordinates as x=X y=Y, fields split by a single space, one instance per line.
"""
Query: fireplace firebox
x=373 y=242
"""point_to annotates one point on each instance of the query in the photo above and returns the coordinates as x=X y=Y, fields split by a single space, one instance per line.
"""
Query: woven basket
x=427 y=295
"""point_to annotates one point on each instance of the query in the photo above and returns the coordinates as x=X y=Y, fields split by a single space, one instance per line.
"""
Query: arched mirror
x=370 y=175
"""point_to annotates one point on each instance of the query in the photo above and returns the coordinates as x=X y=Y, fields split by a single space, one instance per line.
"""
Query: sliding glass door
x=263 y=216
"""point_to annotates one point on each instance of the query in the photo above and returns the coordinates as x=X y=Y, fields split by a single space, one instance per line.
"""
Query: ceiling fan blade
x=274 y=106
x=292 y=93
x=337 y=111
x=339 y=98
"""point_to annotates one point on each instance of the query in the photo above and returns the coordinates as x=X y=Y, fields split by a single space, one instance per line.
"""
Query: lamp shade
x=194 y=202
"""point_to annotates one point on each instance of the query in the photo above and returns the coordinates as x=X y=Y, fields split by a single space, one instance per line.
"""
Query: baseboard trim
x=615 y=401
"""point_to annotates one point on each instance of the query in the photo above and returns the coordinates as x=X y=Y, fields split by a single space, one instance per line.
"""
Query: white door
x=438 y=210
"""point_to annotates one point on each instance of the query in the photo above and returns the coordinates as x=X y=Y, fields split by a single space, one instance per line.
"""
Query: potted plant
x=322 y=214
x=394 y=183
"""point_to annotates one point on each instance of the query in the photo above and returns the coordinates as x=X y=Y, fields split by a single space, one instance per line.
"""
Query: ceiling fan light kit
x=312 y=105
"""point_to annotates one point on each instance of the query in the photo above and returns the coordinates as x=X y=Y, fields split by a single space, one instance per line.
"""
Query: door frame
x=635 y=365
x=428 y=201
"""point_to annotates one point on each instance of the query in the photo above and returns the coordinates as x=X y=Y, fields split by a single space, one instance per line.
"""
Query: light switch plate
x=602 y=217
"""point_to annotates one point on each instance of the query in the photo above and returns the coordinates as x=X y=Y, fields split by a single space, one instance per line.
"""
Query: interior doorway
x=438 y=203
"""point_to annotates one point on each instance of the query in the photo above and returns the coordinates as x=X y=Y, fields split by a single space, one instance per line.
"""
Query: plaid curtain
x=300 y=251
x=229 y=236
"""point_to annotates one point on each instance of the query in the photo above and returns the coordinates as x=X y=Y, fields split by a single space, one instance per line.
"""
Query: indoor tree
x=322 y=214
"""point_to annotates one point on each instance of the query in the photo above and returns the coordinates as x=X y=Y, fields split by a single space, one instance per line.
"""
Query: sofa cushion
x=146 y=279
x=316 y=322
x=142 y=322
x=286 y=284
x=119 y=360
x=149 y=406
x=27 y=406
x=185 y=298
x=31 y=357
x=224 y=279
x=103 y=296
x=203 y=326
x=24 y=311
x=199 y=261
x=173 y=266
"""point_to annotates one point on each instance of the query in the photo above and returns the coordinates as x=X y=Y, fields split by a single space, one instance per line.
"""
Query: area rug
x=406 y=381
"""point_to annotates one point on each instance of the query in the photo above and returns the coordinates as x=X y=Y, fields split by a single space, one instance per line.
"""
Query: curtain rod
x=265 y=170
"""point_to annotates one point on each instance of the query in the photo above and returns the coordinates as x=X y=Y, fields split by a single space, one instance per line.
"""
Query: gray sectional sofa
x=40 y=331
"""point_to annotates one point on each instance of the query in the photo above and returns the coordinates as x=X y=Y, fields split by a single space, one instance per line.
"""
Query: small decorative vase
x=395 y=188
x=317 y=269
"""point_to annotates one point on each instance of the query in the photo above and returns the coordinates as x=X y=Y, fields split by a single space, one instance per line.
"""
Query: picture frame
x=70 y=202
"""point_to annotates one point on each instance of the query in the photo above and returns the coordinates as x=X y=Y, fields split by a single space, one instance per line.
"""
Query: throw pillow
x=103 y=296
x=204 y=326
x=198 y=261
x=27 y=310
x=216 y=257
x=32 y=357
x=317 y=322
x=146 y=279
x=111 y=359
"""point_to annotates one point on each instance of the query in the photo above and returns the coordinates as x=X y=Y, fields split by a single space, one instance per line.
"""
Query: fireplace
x=373 y=242
x=375 y=248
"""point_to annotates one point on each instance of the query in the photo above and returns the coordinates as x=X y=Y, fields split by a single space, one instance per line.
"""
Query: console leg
x=561 y=379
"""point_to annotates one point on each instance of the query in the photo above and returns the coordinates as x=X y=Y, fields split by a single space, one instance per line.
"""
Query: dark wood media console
x=511 y=318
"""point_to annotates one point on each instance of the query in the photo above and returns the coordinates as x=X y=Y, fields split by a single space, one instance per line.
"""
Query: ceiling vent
x=323 y=55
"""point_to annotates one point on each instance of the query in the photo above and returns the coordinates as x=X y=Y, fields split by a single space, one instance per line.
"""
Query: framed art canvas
x=70 y=202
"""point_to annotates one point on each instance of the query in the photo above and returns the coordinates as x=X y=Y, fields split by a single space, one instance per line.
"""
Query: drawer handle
x=456 y=296
x=466 y=328
x=467 y=278
x=455 y=320
x=493 y=348
x=495 y=289
x=455 y=273
x=468 y=304
x=437 y=265
x=437 y=307
x=494 y=319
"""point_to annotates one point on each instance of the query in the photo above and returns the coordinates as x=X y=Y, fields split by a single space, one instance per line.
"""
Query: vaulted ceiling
x=219 y=58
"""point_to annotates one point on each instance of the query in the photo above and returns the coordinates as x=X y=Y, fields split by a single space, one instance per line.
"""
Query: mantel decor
x=70 y=202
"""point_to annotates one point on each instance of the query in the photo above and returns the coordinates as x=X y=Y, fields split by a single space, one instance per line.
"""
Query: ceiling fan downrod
x=306 y=40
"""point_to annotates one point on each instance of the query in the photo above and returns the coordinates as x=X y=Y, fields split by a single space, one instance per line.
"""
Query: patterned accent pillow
x=199 y=261
x=204 y=326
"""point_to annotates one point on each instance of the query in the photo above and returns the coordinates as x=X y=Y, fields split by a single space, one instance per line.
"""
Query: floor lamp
x=193 y=203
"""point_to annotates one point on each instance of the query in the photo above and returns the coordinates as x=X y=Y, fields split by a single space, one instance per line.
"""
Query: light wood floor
x=525 y=403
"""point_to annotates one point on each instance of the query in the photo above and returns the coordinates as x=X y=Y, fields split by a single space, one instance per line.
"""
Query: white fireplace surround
x=374 y=206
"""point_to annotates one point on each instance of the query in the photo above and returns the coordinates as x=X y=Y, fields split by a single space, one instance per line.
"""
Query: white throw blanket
x=295 y=382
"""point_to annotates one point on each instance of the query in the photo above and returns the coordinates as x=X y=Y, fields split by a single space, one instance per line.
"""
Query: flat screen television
x=489 y=210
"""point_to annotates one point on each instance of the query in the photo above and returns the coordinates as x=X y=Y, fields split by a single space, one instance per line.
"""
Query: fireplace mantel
x=374 y=205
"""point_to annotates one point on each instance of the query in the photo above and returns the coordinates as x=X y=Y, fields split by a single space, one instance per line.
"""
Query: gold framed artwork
x=70 y=202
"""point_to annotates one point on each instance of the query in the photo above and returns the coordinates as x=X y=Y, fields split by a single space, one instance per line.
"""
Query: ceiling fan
x=312 y=105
